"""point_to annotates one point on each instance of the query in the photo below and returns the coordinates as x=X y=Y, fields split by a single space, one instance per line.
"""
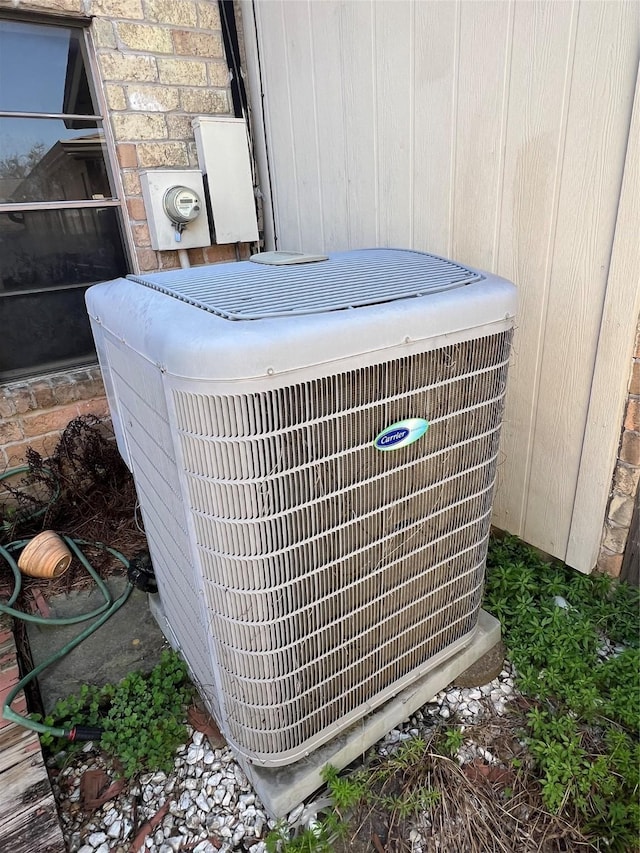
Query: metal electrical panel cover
x=223 y=155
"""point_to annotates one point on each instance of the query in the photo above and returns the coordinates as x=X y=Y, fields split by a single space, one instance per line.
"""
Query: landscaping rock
x=209 y=802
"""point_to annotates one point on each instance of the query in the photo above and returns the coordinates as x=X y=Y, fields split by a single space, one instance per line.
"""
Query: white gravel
x=211 y=803
x=211 y=806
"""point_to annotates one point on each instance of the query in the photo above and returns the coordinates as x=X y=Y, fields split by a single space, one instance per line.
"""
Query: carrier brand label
x=401 y=434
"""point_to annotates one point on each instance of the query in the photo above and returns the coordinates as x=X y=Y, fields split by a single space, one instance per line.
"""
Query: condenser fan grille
x=334 y=573
x=246 y=291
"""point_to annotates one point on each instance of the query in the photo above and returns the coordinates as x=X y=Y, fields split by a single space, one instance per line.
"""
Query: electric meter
x=181 y=204
x=175 y=203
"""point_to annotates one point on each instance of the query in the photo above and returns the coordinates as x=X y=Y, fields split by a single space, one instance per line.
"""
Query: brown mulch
x=202 y=721
x=148 y=827
x=96 y=502
x=482 y=807
x=96 y=789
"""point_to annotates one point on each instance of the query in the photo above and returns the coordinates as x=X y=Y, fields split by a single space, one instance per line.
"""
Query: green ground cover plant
x=142 y=717
x=584 y=718
x=395 y=786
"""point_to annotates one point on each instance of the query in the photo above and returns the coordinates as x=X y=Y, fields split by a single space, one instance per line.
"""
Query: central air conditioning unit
x=314 y=448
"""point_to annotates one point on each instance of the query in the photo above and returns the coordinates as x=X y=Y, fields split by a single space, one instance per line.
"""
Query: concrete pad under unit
x=130 y=640
x=283 y=788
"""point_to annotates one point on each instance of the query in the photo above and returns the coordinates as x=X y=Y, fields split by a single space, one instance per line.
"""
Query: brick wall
x=161 y=63
x=626 y=477
x=34 y=412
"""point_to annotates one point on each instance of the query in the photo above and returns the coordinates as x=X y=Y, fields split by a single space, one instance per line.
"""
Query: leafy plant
x=393 y=784
x=583 y=731
x=142 y=717
x=408 y=754
x=346 y=791
x=319 y=838
x=452 y=741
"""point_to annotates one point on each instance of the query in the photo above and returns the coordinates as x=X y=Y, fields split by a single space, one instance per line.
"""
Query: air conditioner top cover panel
x=188 y=342
x=345 y=280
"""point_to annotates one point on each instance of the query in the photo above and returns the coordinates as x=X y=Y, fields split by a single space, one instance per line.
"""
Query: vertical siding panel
x=453 y=156
x=330 y=124
x=278 y=110
x=484 y=43
x=435 y=57
x=393 y=85
x=597 y=132
x=358 y=92
x=610 y=385
x=542 y=54
x=299 y=48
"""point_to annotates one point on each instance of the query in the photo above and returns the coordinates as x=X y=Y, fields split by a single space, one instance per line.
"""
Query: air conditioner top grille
x=246 y=291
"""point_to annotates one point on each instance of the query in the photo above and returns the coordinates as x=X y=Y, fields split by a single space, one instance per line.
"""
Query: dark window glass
x=42 y=160
x=48 y=257
x=42 y=70
x=43 y=249
x=44 y=331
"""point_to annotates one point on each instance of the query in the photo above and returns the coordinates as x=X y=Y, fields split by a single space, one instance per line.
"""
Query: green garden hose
x=104 y=612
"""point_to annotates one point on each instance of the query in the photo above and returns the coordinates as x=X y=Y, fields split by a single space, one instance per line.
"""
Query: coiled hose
x=104 y=612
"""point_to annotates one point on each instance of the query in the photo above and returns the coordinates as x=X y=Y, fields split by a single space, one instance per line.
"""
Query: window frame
x=81 y=26
x=116 y=200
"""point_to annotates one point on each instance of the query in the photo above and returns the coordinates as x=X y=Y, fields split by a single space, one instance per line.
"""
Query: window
x=60 y=223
